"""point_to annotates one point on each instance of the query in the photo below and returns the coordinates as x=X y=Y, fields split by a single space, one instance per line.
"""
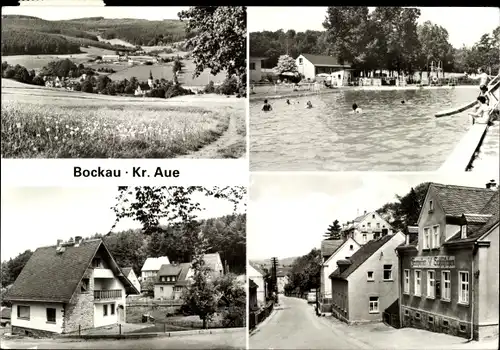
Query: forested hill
x=226 y=235
x=32 y=35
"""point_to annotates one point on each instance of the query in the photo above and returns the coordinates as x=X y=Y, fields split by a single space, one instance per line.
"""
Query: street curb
x=155 y=334
x=263 y=323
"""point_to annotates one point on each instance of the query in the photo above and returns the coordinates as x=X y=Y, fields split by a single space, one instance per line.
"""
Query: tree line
x=387 y=38
x=226 y=235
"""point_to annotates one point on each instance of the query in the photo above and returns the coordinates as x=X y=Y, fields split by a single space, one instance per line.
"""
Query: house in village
x=132 y=277
x=110 y=58
x=331 y=252
x=449 y=275
x=256 y=68
x=172 y=279
x=366 y=227
x=282 y=278
x=151 y=267
x=312 y=65
x=67 y=287
x=366 y=285
x=214 y=264
x=256 y=275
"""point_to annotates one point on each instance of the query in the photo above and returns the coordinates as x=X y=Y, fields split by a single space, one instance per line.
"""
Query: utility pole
x=274 y=277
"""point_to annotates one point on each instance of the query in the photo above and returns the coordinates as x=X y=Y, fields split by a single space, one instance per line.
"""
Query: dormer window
x=431 y=206
x=463 y=231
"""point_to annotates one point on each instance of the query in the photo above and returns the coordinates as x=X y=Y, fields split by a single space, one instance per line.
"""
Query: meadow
x=52 y=123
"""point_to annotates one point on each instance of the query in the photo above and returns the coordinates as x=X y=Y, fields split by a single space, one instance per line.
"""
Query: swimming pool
x=387 y=136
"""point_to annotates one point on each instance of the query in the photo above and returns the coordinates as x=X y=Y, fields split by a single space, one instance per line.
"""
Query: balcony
x=107 y=294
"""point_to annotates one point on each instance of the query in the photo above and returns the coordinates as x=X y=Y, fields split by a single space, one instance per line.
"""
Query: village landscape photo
x=373 y=261
x=123 y=82
x=374 y=88
x=124 y=268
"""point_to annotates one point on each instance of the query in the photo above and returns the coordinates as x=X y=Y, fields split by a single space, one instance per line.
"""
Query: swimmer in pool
x=356 y=109
x=267 y=107
x=309 y=104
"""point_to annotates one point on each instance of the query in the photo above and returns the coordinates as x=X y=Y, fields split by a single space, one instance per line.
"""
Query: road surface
x=296 y=326
x=232 y=340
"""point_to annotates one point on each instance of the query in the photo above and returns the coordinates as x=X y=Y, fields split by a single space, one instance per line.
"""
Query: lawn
x=52 y=123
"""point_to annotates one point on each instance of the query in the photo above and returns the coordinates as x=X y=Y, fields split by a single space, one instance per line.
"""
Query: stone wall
x=32 y=332
x=79 y=312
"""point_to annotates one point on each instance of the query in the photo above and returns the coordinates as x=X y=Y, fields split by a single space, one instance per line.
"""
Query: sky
x=69 y=12
x=288 y=213
x=34 y=217
x=465 y=25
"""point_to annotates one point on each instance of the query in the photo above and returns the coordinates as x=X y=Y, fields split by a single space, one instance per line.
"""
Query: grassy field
x=40 y=61
x=51 y=123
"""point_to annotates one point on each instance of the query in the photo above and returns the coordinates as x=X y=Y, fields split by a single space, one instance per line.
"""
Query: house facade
x=256 y=68
x=171 y=281
x=281 y=278
x=132 y=277
x=449 y=276
x=343 y=250
x=366 y=284
x=366 y=227
x=67 y=287
x=311 y=65
x=253 y=303
x=257 y=276
x=151 y=267
x=214 y=264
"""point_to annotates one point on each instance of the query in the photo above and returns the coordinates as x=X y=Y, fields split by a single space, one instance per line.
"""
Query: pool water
x=387 y=136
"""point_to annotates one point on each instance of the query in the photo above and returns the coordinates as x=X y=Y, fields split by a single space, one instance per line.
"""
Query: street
x=232 y=340
x=296 y=326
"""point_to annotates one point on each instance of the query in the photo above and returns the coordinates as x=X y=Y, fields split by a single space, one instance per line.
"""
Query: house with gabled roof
x=282 y=278
x=67 y=287
x=370 y=225
x=331 y=252
x=256 y=274
x=310 y=66
x=449 y=275
x=132 y=277
x=172 y=279
x=214 y=264
x=365 y=285
x=151 y=267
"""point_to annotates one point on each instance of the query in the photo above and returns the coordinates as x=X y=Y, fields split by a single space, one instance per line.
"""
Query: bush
x=38 y=80
x=228 y=87
x=87 y=87
x=177 y=90
x=209 y=88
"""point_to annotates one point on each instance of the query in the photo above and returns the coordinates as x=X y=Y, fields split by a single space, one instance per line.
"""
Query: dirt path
x=226 y=140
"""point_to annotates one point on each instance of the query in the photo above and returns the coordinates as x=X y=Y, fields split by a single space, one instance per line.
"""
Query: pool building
x=449 y=275
x=311 y=66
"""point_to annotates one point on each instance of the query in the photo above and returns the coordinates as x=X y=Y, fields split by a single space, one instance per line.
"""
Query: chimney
x=492 y=184
x=78 y=240
x=407 y=239
x=463 y=231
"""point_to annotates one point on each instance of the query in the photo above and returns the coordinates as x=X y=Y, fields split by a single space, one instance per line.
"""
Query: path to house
x=233 y=340
x=296 y=326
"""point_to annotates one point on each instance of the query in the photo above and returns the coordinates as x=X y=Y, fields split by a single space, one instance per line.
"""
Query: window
x=418 y=287
x=51 y=315
x=112 y=309
x=84 y=286
x=177 y=289
x=364 y=238
x=351 y=247
x=96 y=262
x=463 y=328
x=378 y=224
x=426 y=238
x=23 y=312
x=387 y=272
x=446 y=285
x=373 y=305
x=105 y=310
x=406 y=276
x=369 y=276
x=300 y=60
x=446 y=323
x=161 y=289
x=463 y=297
x=435 y=236
x=163 y=279
x=431 y=319
x=431 y=206
x=369 y=225
x=252 y=65
x=373 y=216
x=431 y=284
x=407 y=312
x=417 y=315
